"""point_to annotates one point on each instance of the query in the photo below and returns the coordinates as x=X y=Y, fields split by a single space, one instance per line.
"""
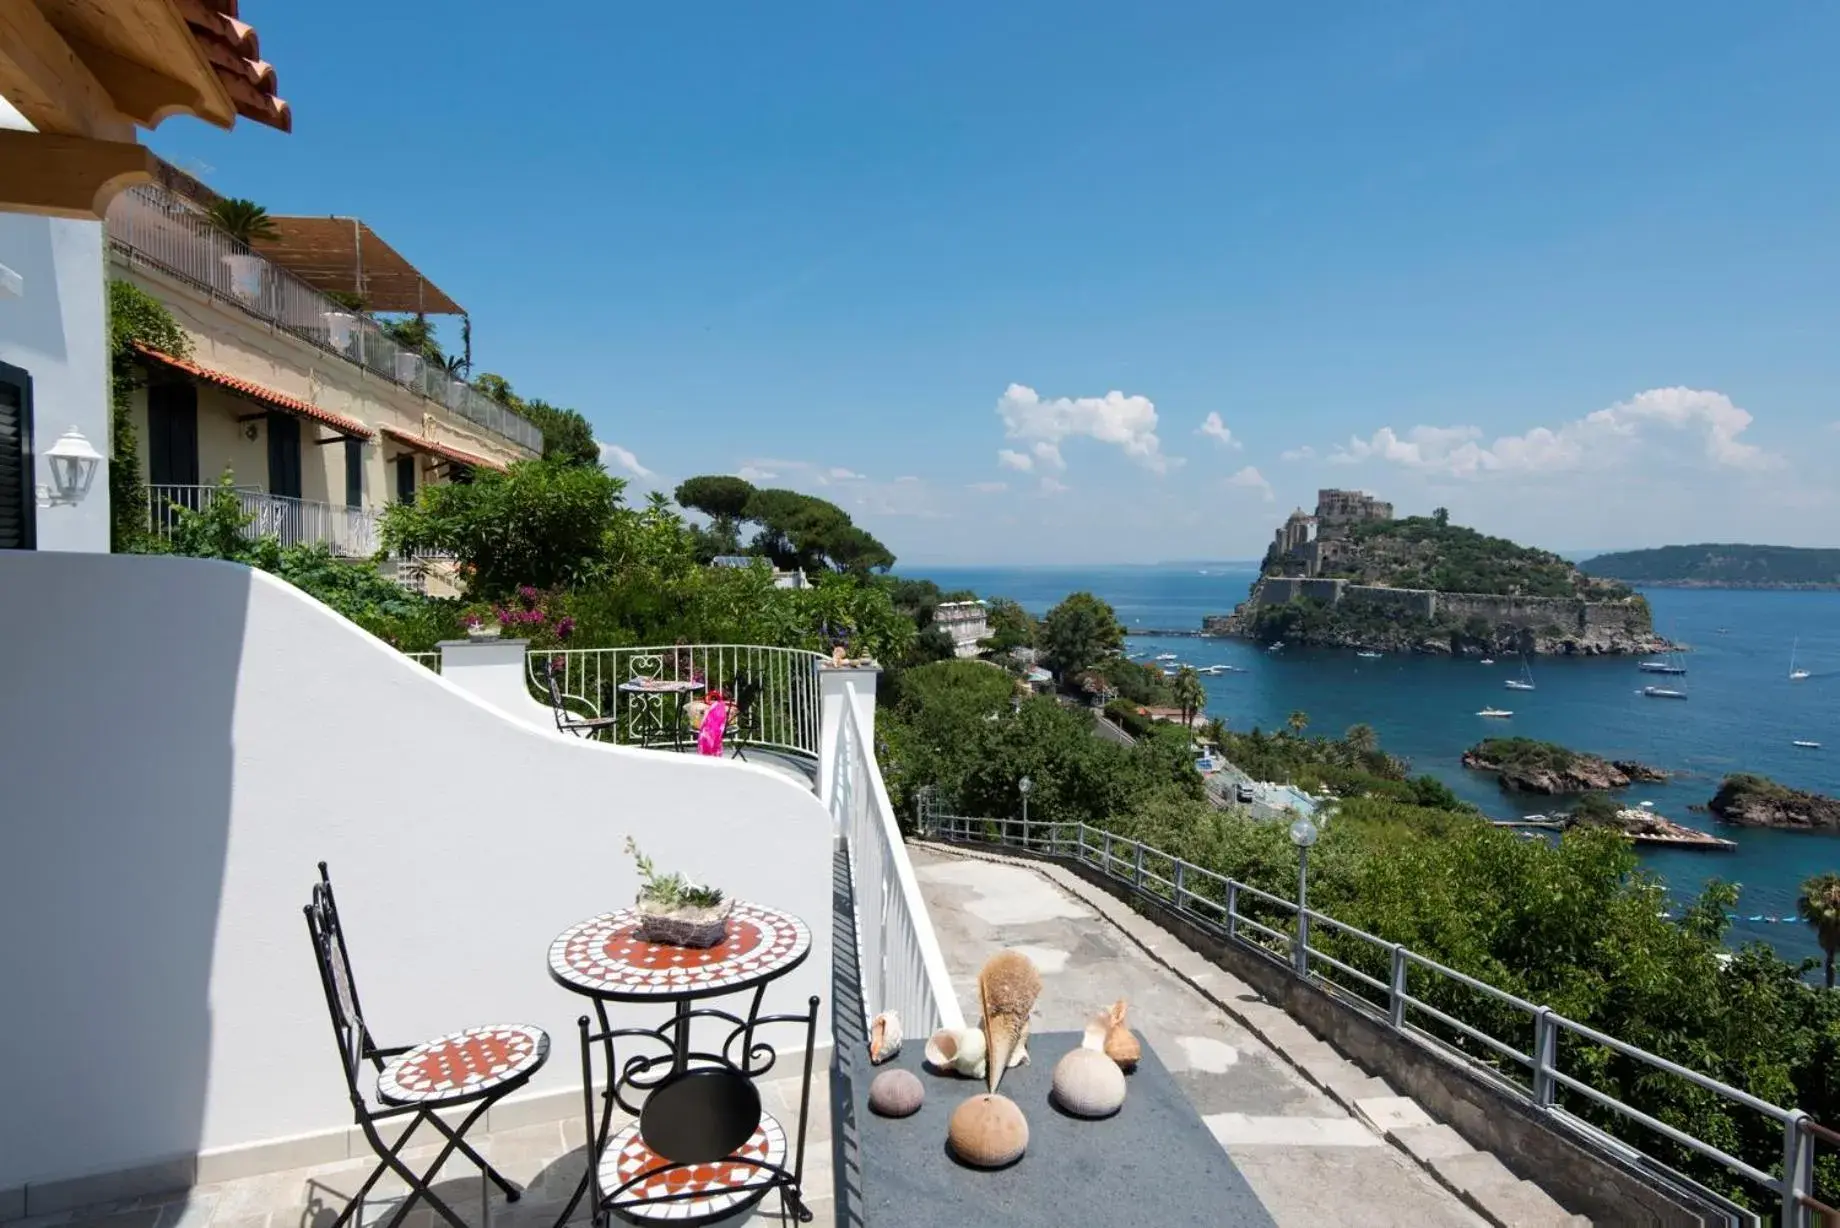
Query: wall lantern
x=73 y=467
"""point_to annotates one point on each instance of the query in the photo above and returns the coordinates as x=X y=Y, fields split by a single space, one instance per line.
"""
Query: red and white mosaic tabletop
x=708 y=1189
x=463 y=1063
x=601 y=957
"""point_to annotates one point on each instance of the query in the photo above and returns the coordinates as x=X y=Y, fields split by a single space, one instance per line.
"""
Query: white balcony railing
x=348 y=531
x=150 y=224
x=902 y=967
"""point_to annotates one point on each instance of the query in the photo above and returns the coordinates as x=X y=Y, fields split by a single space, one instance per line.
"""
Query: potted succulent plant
x=477 y=628
x=675 y=911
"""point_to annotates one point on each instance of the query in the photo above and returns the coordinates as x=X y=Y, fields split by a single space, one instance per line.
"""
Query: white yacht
x=1499 y=713
x=1662 y=692
x=1525 y=681
x=1370 y=654
x=1795 y=675
x=1487 y=661
x=1807 y=745
x=1165 y=656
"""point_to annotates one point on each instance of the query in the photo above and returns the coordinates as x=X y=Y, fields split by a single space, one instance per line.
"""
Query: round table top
x=600 y=957
x=656 y=686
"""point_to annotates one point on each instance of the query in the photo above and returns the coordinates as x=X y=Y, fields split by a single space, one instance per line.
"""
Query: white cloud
x=988 y=488
x=1020 y=461
x=1214 y=428
x=1251 y=479
x=840 y=474
x=612 y=454
x=754 y=473
x=1127 y=422
x=1306 y=452
x=1053 y=486
x=1591 y=441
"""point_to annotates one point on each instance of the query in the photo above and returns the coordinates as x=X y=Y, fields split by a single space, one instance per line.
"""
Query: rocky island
x=1722 y=565
x=1745 y=800
x=1523 y=765
x=1353 y=576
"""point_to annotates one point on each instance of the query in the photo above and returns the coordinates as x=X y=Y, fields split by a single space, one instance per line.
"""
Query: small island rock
x=1756 y=801
x=1523 y=765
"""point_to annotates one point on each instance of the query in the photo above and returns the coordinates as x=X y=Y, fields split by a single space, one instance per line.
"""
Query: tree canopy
x=794 y=530
x=1079 y=633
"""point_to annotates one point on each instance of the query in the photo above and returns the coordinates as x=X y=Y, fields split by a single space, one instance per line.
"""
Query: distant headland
x=1353 y=576
x=1721 y=566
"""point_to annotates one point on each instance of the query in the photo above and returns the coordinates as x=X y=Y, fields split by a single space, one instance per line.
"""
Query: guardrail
x=429 y=660
x=774 y=691
x=1243 y=914
x=902 y=968
x=348 y=531
x=149 y=223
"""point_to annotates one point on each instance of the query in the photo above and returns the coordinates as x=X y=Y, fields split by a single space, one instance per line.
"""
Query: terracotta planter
x=682 y=926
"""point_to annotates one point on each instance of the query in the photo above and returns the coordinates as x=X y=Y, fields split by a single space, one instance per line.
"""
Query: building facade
x=965 y=622
x=1307 y=545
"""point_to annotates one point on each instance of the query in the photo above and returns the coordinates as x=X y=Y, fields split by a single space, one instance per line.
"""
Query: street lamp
x=1025 y=786
x=1303 y=835
x=73 y=464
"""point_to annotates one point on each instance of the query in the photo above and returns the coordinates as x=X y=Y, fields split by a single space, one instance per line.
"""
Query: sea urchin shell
x=988 y=1131
x=1088 y=1084
x=896 y=1093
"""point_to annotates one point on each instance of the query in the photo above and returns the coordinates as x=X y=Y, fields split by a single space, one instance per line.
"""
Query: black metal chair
x=700 y=1146
x=569 y=722
x=745 y=723
x=475 y=1066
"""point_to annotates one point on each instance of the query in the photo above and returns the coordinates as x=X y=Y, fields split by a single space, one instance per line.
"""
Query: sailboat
x=1525 y=681
x=1795 y=675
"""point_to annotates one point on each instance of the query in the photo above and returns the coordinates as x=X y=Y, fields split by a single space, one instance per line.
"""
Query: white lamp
x=73 y=467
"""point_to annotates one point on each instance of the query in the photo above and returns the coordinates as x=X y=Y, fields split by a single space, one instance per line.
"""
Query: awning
x=441 y=450
x=342 y=254
x=265 y=397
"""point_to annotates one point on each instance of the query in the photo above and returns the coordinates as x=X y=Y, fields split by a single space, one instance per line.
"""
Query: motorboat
x=1807 y=745
x=1275 y=647
x=1662 y=692
x=1369 y=654
x=1486 y=661
x=1498 y=713
x=1165 y=656
x=1660 y=667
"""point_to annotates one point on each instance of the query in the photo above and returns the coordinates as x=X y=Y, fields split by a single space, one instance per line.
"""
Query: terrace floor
x=1312 y=1158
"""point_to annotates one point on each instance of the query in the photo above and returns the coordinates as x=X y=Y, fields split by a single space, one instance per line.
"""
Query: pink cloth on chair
x=715 y=722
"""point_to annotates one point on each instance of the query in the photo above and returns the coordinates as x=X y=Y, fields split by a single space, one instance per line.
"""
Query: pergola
x=86 y=73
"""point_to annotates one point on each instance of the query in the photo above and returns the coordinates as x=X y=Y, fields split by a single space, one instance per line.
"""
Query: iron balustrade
x=1533 y=1075
x=776 y=688
x=348 y=531
x=150 y=224
x=902 y=967
x=429 y=660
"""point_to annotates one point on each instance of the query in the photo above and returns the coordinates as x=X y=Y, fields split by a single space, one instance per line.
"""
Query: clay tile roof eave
x=248 y=389
x=233 y=48
x=422 y=444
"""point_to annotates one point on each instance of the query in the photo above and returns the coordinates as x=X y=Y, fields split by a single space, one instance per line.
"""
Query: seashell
x=896 y=1093
x=959 y=1051
x=884 y=1037
x=1120 y=1045
x=988 y=1132
x=1088 y=1084
x=1008 y=985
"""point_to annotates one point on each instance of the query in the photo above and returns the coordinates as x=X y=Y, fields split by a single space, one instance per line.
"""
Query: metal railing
x=901 y=964
x=774 y=690
x=429 y=660
x=348 y=531
x=1245 y=915
x=149 y=223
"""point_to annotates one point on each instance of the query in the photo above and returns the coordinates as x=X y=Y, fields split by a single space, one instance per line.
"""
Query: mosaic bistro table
x=646 y=702
x=602 y=959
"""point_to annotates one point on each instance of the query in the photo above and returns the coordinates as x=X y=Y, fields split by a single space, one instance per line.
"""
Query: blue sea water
x=1742 y=714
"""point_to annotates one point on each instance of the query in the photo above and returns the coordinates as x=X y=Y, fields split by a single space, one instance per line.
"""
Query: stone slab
x=1155 y=1162
x=1427 y=1143
x=1389 y=1113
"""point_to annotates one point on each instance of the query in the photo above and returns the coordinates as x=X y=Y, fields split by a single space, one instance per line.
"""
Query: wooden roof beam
x=49 y=82
x=68 y=176
x=146 y=45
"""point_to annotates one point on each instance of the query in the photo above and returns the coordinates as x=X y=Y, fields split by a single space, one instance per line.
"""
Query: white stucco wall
x=57 y=332
x=180 y=742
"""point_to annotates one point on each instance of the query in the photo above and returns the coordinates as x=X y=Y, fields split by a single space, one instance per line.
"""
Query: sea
x=1742 y=712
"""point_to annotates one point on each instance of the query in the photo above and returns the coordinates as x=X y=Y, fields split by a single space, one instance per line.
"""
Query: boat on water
x=1805 y=744
x=1662 y=692
x=1499 y=713
x=1369 y=654
x=1660 y=667
x=1165 y=656
x=1486 y=661
x=1211 y=670
x=1275 y=647
x=1795 y=675
x=1525 y=681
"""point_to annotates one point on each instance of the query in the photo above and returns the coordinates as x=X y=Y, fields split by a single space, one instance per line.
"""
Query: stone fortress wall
x=1571 y=615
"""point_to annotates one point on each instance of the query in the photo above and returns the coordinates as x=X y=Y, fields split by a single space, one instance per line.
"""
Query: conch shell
x=959 y=1050
x=884 y=1037
x=1007 y=987
x=1108 y=1034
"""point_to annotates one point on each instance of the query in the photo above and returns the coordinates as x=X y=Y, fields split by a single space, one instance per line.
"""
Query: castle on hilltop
x=1307 y=545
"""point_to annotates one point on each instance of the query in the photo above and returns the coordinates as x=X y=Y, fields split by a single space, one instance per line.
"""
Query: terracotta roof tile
x=421 y=444
x=235 y=55
x=262 y=396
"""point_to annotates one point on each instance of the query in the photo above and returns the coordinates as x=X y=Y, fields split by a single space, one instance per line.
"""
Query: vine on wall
x=134 y=316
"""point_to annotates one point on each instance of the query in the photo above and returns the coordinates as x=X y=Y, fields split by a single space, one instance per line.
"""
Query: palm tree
x=1190 y=694
x=1215 y=731
x=244 y=221
x=1297 y=722
x=1362 y=739
x=1819 y=907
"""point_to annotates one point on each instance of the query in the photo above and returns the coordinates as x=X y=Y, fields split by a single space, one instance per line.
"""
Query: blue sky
x=981 y=273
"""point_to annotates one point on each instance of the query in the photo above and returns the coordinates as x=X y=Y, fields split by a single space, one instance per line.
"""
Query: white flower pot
x=341 y=327
x=245 y=276
x=408 y=368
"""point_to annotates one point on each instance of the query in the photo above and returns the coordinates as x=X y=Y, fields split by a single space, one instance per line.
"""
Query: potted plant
x=674 y=911
x=478 y=628
x=244 y=221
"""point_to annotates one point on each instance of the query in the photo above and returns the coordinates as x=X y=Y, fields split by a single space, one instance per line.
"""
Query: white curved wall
x=181 y=741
